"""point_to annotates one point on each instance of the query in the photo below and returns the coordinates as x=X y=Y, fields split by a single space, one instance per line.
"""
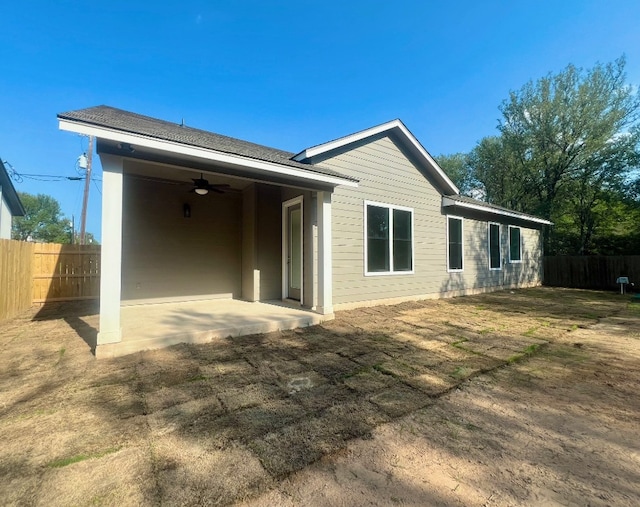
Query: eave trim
x=202 y=153
x=447 y=202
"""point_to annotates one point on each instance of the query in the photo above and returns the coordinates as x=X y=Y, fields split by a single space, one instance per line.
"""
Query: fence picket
x=16 y=274
x=45 y=272
x=66 y=273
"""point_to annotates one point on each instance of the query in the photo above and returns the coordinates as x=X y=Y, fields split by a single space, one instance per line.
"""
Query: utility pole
x=85 y=199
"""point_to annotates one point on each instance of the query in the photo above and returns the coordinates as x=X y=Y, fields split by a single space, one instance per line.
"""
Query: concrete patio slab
x=154 y=326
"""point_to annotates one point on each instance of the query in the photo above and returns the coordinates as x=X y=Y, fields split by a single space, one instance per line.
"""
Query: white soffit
x=202 y=153
x=404 y=134
x=488 y=209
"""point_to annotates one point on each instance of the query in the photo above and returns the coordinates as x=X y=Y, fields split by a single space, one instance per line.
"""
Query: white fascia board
x=416 y=144
x=202 y=153
x=514 y=214
x=358 y=136
x=343 y=141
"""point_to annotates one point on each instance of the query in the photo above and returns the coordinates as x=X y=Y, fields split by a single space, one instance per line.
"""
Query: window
x=494 y=246
x=454 y=244
x=389 y=239
x=515 y=244
x=402 y=239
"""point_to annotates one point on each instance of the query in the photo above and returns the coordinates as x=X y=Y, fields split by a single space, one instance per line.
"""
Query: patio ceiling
x=180 y=175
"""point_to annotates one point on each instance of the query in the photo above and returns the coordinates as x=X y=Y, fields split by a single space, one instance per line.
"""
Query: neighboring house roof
x=9 y=193
x=470 y=203
x=107 y=120
x=402 y=134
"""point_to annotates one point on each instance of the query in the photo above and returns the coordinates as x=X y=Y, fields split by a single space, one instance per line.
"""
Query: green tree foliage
x=89 y=238
x=43 y=220
x=567 y=148
x=496 y=172
x=457 y=167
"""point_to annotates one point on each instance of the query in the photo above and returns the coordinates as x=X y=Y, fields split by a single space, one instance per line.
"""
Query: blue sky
x=288 y=74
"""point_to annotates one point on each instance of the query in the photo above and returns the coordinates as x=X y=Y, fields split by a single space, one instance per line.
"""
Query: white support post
x=111 y=266
x=325 y=264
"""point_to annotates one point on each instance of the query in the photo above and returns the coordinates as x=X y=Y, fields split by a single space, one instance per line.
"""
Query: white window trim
x=447 y=244
x=390 y=207
x=517 y=261
x=489 y=224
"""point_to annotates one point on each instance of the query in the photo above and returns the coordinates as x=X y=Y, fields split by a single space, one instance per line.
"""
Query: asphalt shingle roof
x=125 y=121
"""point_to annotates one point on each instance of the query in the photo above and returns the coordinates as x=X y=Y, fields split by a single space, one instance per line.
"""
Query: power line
x=45 y=177
x=11 y=171
x=19 y=177
x=96 y=185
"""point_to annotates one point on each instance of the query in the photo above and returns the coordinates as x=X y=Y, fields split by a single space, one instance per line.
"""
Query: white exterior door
x=292 y=238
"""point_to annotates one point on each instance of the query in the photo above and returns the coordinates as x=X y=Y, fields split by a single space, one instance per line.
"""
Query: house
x=365 y=219
x=10 y=204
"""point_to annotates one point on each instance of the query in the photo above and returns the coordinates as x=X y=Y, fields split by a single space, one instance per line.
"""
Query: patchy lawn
x=512 y=398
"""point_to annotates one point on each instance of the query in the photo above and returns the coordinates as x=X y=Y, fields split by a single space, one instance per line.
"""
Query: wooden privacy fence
x=65 y=272
x=590 y=272
x=16 y=275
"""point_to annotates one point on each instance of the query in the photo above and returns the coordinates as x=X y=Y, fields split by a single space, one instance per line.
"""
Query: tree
x=89 y=239
x=43 y=220
x=567 y=143
x=495 y=169
x=599 y=186
x=457 y=168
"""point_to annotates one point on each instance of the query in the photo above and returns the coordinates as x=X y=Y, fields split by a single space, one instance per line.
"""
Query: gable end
x=411 y=147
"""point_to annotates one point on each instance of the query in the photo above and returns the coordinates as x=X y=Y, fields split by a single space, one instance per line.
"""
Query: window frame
x=515 y=261
x=390 y=208
x=449 y=269
x=489 y=224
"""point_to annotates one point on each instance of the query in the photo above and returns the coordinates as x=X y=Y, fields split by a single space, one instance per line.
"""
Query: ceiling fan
x=202 y=186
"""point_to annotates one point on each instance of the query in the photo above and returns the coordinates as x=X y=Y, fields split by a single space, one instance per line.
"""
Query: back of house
x=190 y=215
x=405 y=232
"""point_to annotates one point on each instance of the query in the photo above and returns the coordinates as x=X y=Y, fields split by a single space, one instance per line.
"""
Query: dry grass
x=217 y=423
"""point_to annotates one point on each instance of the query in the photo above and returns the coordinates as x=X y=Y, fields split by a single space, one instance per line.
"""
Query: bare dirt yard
x=526 y=397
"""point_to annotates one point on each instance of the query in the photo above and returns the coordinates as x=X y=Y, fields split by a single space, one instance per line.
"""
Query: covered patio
x=198 y=228
x=154 y=326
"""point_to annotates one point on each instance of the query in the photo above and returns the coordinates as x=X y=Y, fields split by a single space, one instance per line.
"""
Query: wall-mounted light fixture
x=186 y=210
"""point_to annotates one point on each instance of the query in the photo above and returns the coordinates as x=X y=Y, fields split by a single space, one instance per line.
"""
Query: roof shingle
x=125 y=121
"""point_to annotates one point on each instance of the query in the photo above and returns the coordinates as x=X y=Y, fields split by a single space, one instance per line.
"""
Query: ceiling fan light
x=202 y=191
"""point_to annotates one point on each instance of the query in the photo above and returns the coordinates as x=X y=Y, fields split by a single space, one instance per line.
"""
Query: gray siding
x=250 y=273
x=269 y=241
x=386 y=175
x=261 y=243
x=476 y=274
